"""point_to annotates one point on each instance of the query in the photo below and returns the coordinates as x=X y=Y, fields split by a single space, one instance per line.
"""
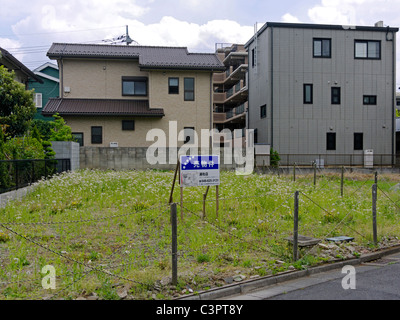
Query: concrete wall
x=67 y=150
x=135 y=158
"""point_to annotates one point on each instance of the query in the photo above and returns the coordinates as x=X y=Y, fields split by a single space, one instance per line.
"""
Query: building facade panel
x=339 y=77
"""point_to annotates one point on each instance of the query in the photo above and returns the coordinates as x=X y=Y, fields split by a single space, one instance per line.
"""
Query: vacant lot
x=107 y=234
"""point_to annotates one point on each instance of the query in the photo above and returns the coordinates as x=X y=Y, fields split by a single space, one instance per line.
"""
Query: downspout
x=393 y=95
x=62 y=78
x=393 y=100
x=272 y=87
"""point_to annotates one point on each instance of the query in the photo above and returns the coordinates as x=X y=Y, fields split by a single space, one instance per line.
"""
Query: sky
x=28 y=28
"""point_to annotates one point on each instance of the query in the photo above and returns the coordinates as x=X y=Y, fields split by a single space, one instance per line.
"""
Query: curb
x=250 y=285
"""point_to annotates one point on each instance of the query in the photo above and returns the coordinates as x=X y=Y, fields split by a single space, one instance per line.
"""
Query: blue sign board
x=199 y=170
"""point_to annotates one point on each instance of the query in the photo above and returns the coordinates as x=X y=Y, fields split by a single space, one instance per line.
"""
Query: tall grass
x=104 y=229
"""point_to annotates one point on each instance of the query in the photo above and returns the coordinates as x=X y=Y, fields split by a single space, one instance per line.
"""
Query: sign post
x=198 y=171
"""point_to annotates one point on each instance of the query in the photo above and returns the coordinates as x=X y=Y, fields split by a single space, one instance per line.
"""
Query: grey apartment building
x=324 y=93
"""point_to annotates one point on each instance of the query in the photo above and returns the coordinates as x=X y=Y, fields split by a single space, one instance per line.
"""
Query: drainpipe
x=61 y=93
x=272 y=87
x=393 y=93
x=393 y=99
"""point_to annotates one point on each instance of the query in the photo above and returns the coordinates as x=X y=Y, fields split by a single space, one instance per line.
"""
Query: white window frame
x=38 y=100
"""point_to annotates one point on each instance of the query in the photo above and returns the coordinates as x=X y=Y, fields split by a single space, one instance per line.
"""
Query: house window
x=38 y=100
x=78 y=137
x=134 y=86
x=97 y=135
x=335 y=96
x=173 y=85
x=322 y=48
x=308 y=94
x=189 y=89
x=358 y=141
x=331 y=141
x=128 y=125
x=188 y=135
x=369 y=100
x=367 y=49
x=263 y=111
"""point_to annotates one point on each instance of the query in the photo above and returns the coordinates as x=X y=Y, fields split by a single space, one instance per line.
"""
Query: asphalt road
x=376 y=280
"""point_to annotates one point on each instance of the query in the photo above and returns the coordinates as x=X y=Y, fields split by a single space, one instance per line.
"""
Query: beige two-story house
x=114 y=95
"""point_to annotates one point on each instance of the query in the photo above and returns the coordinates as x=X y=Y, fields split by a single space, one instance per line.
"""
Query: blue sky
x=27 y=29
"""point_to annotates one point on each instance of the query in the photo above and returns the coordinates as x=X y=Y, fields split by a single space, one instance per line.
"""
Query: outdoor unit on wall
x=319 y=163
x=113 y=144
x=369 y=158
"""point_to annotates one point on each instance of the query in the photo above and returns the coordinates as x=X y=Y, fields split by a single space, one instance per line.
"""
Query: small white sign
x=197 y=171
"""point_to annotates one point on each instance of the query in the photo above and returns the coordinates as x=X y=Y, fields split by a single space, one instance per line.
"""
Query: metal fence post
x=16 y=175
x=342 y=182
x=174 y=245
x=315 y=173
x=374 y=199
x=294 y=171
x=296 y=226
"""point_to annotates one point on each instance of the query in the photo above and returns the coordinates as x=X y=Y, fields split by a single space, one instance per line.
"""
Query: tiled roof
x=149 y=57
x=18 y=65
x=100 y=107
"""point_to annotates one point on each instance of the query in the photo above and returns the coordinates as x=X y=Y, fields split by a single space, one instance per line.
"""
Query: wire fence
x=166 y=250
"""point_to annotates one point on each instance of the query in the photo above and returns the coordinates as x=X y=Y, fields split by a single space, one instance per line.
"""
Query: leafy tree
x=61 y=132
x=17 y=108
x=23 y=148
x=44 y=128
x=4 y=176
x=275 y=158
x=48 y=151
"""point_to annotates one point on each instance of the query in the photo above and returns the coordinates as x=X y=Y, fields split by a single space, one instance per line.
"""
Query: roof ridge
x=118 y=46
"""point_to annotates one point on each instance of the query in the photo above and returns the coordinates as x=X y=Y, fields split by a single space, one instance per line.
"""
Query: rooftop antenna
x=128 y=39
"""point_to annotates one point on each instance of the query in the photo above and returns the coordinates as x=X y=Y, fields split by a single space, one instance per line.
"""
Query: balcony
x=231 y=75
x=237 y=114
x=234 y=96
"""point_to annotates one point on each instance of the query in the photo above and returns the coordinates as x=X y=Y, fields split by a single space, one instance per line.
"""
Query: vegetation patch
x=108 y=233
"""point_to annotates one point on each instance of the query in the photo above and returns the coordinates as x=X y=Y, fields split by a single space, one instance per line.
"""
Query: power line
x=56 y=32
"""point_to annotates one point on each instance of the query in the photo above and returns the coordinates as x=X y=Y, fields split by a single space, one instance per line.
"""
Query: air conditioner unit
x=319 y=163
x=369 y=158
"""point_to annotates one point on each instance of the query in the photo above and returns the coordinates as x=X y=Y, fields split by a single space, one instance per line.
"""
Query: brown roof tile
x=149 y=57
x=100 y=107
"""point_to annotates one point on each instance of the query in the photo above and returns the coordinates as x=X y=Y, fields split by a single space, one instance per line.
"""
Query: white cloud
x=290 y=18
x=173 y=32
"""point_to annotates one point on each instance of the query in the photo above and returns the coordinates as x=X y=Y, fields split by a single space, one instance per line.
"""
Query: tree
x=61 y=131
x=4 y=176
x=17 y=108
